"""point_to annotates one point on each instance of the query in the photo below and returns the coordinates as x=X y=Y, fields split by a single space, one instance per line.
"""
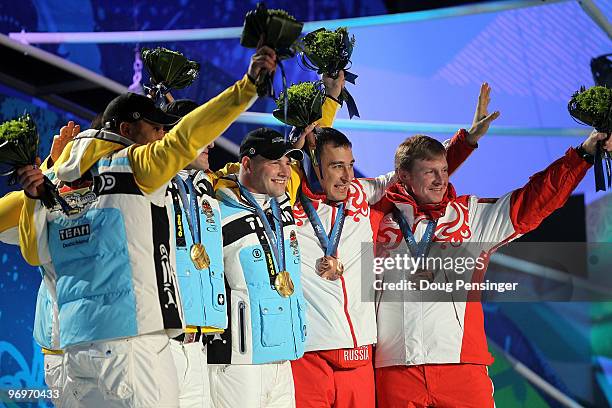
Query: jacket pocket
x=275 y=323
x=217 y=284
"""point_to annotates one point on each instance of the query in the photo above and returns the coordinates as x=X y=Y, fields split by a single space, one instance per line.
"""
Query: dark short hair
x=330 y=136
x=96 y=122
x=417 y=147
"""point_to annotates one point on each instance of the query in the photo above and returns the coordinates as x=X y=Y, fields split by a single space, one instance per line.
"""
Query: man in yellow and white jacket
x=115 y=277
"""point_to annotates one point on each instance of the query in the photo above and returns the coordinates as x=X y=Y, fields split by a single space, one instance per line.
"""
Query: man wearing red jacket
x=435 y=353
x=333 y=224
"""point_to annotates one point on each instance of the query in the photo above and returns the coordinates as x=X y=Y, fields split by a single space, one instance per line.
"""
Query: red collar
x=396 y=193
x=321 y=196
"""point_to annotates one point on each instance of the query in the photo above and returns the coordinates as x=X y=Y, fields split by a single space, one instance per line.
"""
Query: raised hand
x=333 y=87
x=67 y=133
x=31 y=179
x=263 y=61
x=482 y=119
x=307 y=136
x=590 y=144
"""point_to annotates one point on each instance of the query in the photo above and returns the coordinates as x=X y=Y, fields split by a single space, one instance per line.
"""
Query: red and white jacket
x=336 y=314
x=339 y=314
x=414 y=332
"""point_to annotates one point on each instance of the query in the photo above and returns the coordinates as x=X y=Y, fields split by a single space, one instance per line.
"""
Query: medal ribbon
x=329 y=244
x=422 y=248
x=276 y=237
x=191 y=207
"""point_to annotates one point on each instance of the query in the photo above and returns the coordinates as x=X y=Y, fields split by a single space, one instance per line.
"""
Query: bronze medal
x=329 y=267
x=284 y=284
x=339 y=268
x=199 y=256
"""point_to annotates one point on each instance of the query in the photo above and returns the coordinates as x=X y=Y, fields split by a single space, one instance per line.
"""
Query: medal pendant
x=284 y=284
x=199 y=256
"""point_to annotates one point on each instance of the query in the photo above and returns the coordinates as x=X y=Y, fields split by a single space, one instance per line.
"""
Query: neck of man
x=260 y=197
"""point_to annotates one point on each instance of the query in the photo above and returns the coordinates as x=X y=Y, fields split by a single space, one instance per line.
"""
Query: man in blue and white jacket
x=197 y=219
x=249 y=364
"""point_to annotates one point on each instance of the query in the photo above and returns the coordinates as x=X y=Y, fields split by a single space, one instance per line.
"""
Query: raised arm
x=10 y=210
x=463 y=143
x=156 y=163
x=502 y=220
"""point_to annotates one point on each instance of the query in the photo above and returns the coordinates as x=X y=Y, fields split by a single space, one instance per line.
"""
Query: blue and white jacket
x=202 y=291
x=264 y=327
x=114 y=265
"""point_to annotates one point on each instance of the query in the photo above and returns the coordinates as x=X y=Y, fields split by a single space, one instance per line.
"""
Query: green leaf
x=305 y=101
x=18 y=142
x=593 y=107
x=279 y=29
x=169 y=68
x=329 y=51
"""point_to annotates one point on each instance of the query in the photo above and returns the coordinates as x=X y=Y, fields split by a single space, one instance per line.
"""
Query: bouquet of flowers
x=19 y=142
x=276 y=29
x=300 y=105
x=168 y=70
x=328 y=52
x=593 y=107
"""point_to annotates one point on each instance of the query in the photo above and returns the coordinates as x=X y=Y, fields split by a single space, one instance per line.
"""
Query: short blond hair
x=417 y=147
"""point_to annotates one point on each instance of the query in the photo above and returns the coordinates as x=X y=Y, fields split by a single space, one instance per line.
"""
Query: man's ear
x=245 y=164
x=403 y=176
x=125 y=129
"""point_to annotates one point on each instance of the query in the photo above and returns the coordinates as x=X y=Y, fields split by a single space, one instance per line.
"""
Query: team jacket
x=341 y=313
x=202 y=291
x=413 y=332
x=114 y=265
x=46 y=325
x=263 y=326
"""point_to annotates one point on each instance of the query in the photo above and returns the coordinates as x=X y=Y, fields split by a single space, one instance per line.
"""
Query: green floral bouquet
x=168 y=70
x=276 y=29
x=300 y=105
x=593 y=107
x=19 y=143
x=329 y=52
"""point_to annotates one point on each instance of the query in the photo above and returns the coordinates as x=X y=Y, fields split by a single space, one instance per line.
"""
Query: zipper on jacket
x=241 y=327
x=344 y=293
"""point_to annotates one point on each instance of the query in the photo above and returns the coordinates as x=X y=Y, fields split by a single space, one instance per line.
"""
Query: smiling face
x=428 y=179
x=337 y=168
x=265 y=176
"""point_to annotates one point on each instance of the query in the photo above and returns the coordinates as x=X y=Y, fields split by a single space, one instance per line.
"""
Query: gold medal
x=284 y=284
x=199 y=257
